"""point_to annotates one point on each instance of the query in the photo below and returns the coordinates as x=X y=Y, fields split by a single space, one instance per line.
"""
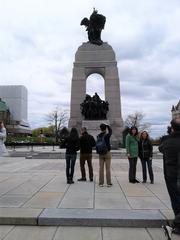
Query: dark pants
x=83 y=158
x=132 y=168
x=70 y=163
x=148 y=162
x=174 y=194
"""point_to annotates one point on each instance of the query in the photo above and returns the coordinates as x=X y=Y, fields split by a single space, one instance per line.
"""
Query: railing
x=31 y=145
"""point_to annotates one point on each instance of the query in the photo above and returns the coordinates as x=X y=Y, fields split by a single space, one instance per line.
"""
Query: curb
x=87 y=217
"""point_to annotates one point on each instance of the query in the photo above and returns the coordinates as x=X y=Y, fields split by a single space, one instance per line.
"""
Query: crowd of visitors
x=137 y=145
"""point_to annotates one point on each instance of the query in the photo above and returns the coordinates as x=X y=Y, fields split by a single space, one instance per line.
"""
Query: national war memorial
x=96 y=56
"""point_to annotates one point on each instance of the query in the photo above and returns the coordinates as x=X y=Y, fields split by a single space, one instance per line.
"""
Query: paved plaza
x=80 y=233
x=35 y=192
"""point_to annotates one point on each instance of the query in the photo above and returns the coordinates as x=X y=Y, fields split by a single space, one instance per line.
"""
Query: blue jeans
x=70 y=163
x=147 y=162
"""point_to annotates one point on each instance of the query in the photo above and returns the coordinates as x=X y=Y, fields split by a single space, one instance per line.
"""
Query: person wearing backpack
x=103 y=148
x=87 y=142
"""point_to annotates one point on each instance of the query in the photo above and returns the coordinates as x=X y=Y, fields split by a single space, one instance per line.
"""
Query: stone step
x=82 y=217
x=61 y=155
x=101 y=218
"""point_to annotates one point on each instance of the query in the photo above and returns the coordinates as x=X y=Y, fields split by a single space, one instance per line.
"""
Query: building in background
x=176 y=110
x=15 y=98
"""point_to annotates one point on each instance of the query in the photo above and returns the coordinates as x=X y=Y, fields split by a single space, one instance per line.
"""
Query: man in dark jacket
x=87 y=142
x=170 y=147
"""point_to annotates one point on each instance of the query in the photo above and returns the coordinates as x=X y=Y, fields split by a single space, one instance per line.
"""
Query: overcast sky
x=39 y=38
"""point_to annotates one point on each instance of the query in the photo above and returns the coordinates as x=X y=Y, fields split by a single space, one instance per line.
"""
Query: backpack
x=101 y=147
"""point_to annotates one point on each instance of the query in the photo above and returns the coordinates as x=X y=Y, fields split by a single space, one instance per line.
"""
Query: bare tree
x=58 y=118
x=136 y=119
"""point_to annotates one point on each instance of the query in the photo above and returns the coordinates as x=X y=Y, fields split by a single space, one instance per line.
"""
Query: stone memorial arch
x=100 y=59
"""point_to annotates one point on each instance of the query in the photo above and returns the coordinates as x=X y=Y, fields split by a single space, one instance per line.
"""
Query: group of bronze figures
x=93 y=108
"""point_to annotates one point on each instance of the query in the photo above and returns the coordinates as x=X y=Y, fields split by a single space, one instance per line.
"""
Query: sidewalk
x=34 y=192
x=80 y=233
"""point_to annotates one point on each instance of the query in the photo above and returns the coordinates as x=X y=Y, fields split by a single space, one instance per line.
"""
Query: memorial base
x=94 y=129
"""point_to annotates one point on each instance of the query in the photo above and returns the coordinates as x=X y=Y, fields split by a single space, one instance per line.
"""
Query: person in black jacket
x=87 y=142
x=145 y=154
x=72 y=146
x=170 y=147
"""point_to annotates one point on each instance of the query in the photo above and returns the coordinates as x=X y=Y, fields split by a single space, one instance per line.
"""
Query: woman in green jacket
x=132 y=153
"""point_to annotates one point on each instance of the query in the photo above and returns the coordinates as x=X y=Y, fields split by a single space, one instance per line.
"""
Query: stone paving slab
x=104 y=218
x=31 y=233
x=4 y=230
x=13 y=200
x=111 y=201
x=19 y=216
x=146 y=203
x=78 y=233
x=125 y=233
x=44 y=200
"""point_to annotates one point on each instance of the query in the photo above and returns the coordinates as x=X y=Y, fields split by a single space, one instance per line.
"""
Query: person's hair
x=175 y=124
x=84 y=129
x=130 y=130
x=74 y=133
x=1 y=124
x=147 y=137
x=102 y=127
x=169 y=130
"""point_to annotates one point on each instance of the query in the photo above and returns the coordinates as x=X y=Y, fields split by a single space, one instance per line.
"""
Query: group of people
x=139 y=146
x=136 y=146
x=85 y=144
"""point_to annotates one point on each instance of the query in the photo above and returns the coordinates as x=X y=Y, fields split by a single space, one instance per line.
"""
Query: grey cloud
x=24 y=39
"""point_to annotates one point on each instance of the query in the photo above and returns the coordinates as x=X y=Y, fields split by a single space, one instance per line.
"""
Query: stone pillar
x=89 y=59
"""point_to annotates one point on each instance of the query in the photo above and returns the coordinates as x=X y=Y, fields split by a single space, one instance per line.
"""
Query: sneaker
x=167 y=231
x=82 y=179
x=152 y=182
x=91 y=180
x=136 y=181
x=101 y=185
x=109 y=185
